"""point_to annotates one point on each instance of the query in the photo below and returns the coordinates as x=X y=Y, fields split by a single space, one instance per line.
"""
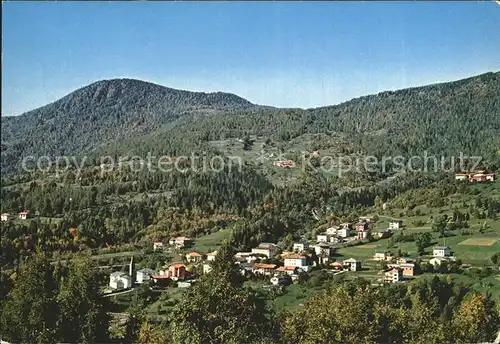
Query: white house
x=322 y=249
x=207 y=268
x=363 y=234
x=144 y=275
x=263 y=269
x=441 y=251
x=23 y=215
x=332 y=230
x=436 y=261
x=344 y=232
x=382 y=256
x=248 y=257
x=267 y=249
x=396 y=224
x=211 y=256
x=393 y=276
x=323 y=238
x=5 y=216
x=120 y=280
x=181 y=242
x=157 y=246
x=194 y=257
x=336 y=240
x=296 y=261
x=353 y=264
x=367 y=219
x=301 y=246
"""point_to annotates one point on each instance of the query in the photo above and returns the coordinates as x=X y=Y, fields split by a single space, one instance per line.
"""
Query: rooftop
x=264 y=266
x=292 y=256
x=350 y=260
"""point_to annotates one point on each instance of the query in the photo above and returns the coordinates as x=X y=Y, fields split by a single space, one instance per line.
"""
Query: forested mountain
x=104 y=111
x=447 y=118
x=442 y=118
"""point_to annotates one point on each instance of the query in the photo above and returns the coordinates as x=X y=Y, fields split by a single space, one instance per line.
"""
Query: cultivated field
x=479 y=241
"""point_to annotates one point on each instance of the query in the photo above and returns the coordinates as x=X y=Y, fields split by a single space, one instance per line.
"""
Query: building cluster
x=441 y=254
x=183 y=274
x=23 y=215
x=478 y=176
x=360 y=231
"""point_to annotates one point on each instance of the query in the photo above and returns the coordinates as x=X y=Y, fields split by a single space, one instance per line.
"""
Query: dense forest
x=102 y=112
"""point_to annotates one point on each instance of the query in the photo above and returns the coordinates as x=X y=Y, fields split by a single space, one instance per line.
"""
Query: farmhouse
x=441 y=251
x=5 y=216
x=23 y=215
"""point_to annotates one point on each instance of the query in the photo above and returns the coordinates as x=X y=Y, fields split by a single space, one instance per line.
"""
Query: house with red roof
x=296 y=260
x=263 y=269
x=194 y=257
x=157 y=246
x=181 y=242
x=23 y=215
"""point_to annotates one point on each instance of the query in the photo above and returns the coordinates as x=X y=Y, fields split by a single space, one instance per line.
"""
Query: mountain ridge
x=113 y=110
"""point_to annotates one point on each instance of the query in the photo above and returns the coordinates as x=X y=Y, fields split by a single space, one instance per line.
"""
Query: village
x=268 y=263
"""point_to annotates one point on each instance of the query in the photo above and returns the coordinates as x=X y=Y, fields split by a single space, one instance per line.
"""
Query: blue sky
x=293 y=54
